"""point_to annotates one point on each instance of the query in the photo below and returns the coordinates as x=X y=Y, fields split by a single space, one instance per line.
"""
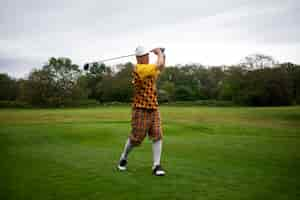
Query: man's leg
x=157 y=168
x=156 y=148
x=156 y=133
x=128 y=147
x=123 y=160
x=138 y=133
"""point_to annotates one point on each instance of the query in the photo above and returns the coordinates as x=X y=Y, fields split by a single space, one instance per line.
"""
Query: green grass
x=209 y=153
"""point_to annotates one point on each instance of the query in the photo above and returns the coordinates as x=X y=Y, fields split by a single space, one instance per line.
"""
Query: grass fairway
x=209 y=153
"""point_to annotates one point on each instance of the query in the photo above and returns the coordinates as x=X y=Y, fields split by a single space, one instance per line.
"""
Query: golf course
x=209 y=153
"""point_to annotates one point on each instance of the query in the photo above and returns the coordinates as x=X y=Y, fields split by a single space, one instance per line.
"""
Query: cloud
x=18 y=67
x=214 y=32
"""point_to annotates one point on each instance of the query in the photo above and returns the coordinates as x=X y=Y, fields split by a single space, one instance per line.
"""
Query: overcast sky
x=210 y=32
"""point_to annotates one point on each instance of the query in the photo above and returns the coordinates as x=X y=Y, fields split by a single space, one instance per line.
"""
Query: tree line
x=257 y=81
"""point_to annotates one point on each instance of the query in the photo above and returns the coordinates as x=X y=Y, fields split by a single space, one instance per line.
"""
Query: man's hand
x=156 y=51
x=160 y=58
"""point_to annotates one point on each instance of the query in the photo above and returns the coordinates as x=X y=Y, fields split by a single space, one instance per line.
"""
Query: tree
x=166 y=93
x=8 y=88
x=266 y=87
x=94 y=78
x=293 y=71
x=184 y=93
x=254 y=83
x=232 y=84
x=258 y=61
x=63 y=75
x=53 y=85
x=117 y=87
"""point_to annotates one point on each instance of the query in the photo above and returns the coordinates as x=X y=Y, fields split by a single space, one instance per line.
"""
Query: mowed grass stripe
x=261 y=117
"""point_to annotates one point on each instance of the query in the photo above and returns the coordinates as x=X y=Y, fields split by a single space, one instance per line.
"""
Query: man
x=145 y=114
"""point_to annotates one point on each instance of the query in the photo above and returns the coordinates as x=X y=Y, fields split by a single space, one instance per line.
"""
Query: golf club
x=88 y=65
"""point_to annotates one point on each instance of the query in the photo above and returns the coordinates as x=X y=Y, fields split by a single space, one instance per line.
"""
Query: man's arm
x=160 y=58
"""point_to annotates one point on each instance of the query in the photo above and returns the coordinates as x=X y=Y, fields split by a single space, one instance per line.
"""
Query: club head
x=86 y=67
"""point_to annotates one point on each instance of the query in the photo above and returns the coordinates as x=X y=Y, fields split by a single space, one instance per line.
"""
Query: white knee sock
x=156 y=148
x=126 y=151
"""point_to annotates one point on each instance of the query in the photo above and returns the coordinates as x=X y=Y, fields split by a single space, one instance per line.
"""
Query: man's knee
x=156 y=139
x=135 y=141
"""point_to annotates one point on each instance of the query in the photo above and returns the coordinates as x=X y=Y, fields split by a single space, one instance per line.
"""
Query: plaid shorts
x=143 y=122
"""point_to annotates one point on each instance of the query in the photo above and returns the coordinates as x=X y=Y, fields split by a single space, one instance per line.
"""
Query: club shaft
x=119 y=57
x=87 y=65
x=115 y=58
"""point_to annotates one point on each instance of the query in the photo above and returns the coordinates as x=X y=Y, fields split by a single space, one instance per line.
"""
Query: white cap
x=140 y=51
